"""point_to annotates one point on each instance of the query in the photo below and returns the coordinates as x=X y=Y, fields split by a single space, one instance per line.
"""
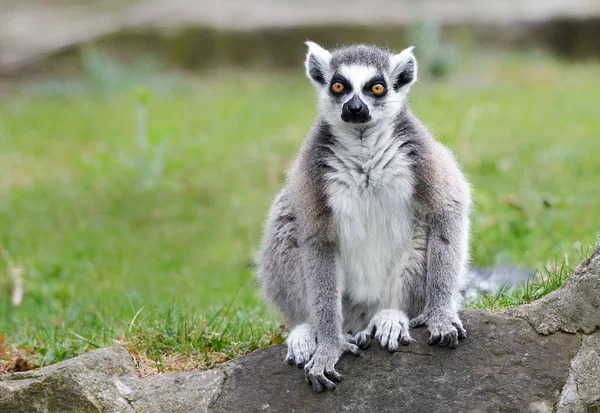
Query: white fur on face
x=358 y=76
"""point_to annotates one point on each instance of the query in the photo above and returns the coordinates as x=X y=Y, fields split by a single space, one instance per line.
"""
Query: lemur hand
x=446 y=329
x=321 y=368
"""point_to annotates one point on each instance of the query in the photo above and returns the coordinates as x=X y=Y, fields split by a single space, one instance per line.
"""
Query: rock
x=105 y=380
x=574 y=307
x=504 y=365
x=84 y=384
x=540 y=358
x=581 y=394
x=177 y=392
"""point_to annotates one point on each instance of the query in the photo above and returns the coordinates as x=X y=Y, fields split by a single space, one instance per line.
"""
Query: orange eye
x=377 y=88
x=337 y=87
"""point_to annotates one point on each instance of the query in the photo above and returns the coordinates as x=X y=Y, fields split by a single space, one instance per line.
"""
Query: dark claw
x=405 y=341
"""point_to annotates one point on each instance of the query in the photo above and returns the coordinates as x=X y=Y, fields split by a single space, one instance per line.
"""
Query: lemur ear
x=403 y=67
x=317 y=63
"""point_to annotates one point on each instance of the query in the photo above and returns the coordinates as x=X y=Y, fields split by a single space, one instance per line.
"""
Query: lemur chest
x=370 y=192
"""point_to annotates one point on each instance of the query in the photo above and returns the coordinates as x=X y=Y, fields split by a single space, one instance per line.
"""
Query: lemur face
x=360 y=84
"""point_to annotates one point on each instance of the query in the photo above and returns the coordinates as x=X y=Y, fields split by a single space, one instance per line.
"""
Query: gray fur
x=371 y=227
x=360 y=54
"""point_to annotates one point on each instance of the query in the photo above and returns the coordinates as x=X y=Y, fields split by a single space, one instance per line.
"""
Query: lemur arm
x=446 y=259
x=317 y=255
x=322 y=284
x=316 y=246
x=444 y=197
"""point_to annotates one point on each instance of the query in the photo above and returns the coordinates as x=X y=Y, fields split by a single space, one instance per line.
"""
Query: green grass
x=151 y=242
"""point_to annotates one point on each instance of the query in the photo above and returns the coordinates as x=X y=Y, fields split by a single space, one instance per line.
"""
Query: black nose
x=355 y=111
x=355 y=105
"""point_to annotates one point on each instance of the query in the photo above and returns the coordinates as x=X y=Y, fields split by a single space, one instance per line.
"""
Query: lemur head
x=360 y=84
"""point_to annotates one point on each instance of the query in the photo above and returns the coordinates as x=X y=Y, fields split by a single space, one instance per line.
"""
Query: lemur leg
x=389 y=327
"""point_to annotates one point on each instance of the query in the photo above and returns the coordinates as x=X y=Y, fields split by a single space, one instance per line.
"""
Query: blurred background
x=141 y=143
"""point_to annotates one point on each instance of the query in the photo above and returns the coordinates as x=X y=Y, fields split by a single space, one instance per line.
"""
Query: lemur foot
x=389 y=327
x=445 y=330
x=301 y=344
x=320 y=370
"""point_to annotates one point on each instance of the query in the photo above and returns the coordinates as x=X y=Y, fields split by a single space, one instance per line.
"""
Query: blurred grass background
x=132 y=199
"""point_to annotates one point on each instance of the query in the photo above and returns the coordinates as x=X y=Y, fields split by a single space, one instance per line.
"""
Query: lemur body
x=372 y=226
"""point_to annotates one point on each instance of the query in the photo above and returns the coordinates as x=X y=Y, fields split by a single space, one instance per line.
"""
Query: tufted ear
x=317 y=63
x=403 y=68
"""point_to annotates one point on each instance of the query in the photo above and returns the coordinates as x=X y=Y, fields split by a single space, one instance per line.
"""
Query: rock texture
x=105 y=380
x=541 y=357
x=582 y=391
x=573 y=307
x=504 y=365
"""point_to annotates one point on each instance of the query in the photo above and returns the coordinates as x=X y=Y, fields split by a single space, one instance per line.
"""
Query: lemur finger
x=462 y=333
x=444 y=340
x=384 y=334
x=453 y=341
x=352 y=348
x=334 y=375
x=406 y=339
x=318 y=380
x=350 y=338
x=304 y=354
x=418 y=321
x=450 y=339
x=318 y=387
x=326 y=382
x=394 y=334
x=307 y=368
x=289 y=359
x=363 y=340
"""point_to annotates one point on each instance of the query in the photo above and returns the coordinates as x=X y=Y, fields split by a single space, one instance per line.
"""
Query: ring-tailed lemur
x=371 y=229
